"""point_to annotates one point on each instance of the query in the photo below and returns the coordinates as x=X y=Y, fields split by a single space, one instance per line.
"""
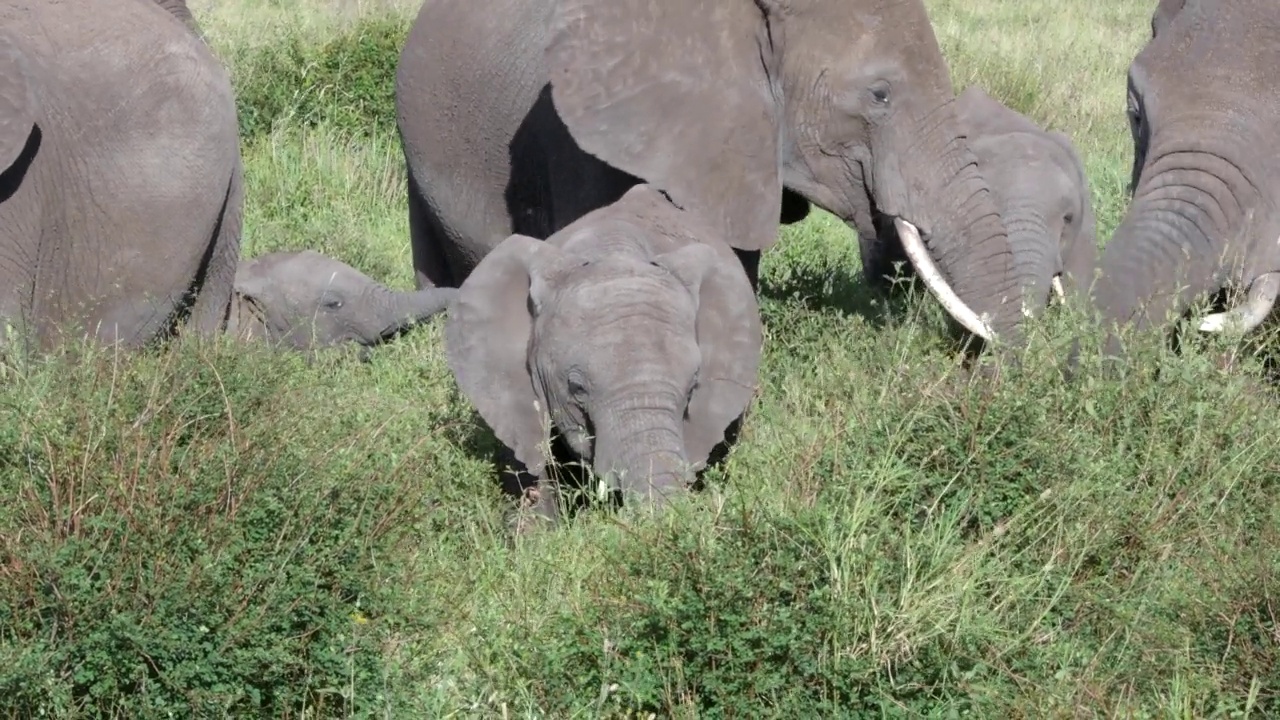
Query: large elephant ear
x=18 y=102
x=487 y=345
x=729 y=336
x=682 y=94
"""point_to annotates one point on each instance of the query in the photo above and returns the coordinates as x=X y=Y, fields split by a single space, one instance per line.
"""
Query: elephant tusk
x=937 y=284
x=1056 y=284
x=1250 y=313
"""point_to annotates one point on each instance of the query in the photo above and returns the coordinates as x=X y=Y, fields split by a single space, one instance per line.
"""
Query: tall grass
x=215 y=530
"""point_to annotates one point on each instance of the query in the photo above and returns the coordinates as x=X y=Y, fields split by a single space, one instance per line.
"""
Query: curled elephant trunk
x=404 y=309
x=951 y=231
x=640 y=449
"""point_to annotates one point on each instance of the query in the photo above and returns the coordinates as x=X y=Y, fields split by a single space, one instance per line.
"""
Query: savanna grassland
x=223 y=531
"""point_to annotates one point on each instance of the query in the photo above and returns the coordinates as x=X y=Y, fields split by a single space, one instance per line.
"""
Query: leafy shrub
x=346 y=82
x=183 y=536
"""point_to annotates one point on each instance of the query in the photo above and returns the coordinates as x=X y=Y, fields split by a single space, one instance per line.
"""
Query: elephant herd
x=591 y=184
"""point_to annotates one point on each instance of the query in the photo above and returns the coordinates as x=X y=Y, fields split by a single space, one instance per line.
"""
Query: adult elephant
x=120 y=177
x=1041 y=191
x=1204 y=111
x=520 y=116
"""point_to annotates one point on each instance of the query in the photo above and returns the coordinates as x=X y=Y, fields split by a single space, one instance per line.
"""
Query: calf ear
x=730 y=337
x=18 y=103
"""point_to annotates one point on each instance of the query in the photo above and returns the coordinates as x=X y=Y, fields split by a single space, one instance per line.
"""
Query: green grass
x=221 y=531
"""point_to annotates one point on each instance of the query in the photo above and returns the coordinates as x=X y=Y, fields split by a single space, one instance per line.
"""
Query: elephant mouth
x=1250 y=312
x=918 y=254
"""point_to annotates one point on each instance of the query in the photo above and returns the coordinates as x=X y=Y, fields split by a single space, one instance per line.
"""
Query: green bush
x=191 y=534
x=346 y=82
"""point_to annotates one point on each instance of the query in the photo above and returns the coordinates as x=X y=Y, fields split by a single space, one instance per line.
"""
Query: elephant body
x=631 y=338
x=120 y=178
x=521 y=116
x=305 y=300
x=1204 y=113
x=1042 y=192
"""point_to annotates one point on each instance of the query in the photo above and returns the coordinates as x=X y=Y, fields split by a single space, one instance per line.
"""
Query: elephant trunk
x=1171 y=248
x=950 y=228
x=1036 y=256
x=400 y=310
x=640 y=447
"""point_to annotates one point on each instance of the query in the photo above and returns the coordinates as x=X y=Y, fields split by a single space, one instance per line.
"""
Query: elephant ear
x=729 y=336
x=1080 y=245
x=487 y=344
x=18 y=102
x=681 y=94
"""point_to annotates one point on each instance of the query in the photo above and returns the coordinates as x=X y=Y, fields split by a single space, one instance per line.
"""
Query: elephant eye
x=577 y=386
x=880 y=92
x=331 y=303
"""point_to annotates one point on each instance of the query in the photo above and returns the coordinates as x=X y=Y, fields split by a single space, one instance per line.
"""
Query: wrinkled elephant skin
x=1041 y=191
x=520 y=116
x=632 y=335
x=1203 y=107
x=119 y=220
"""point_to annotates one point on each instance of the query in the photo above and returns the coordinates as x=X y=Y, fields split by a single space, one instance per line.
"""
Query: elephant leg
x=427 y=238
x=213 y=300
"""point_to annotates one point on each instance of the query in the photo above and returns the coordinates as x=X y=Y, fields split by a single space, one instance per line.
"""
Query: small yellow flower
x=358 y=618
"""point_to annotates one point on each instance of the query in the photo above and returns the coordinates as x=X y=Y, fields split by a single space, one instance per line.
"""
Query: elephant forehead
x=628 y=294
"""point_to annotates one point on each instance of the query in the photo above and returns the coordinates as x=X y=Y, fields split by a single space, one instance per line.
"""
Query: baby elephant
x=1042 y=194
x=632 y=334
x=308 y=301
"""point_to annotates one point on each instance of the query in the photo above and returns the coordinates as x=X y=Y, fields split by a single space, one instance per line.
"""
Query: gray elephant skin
x=307 y=301
x=1042 y=192
x=120 y=175
x=520 y=116
x=631 y=337
x=1204 y=112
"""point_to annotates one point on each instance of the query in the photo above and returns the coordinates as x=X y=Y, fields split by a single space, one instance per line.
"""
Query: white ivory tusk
x=937 y=284
x=1056 y=284
x=1249 y=314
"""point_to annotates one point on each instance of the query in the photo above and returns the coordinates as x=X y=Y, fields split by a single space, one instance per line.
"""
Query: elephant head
x=849 y=103
x=633 y=334
x=1042 y=193
x=1202 y=107
x=308 y=301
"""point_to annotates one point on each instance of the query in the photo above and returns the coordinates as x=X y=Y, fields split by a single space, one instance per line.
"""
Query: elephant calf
x=633 y=334
x=1041 y=192
x=308 y=301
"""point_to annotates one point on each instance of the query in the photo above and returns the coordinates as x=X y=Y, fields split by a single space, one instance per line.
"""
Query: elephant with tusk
x=1204 y=114
x=629 y=340
x=306 y=300
x=521 y=116
x=1041 y=191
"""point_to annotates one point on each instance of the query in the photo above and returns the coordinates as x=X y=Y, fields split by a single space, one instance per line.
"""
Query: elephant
x=307 y=301
x=1041 y=191
x=1204 y=115
x=121 y=189
x=521 y=116
x=630 y=339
